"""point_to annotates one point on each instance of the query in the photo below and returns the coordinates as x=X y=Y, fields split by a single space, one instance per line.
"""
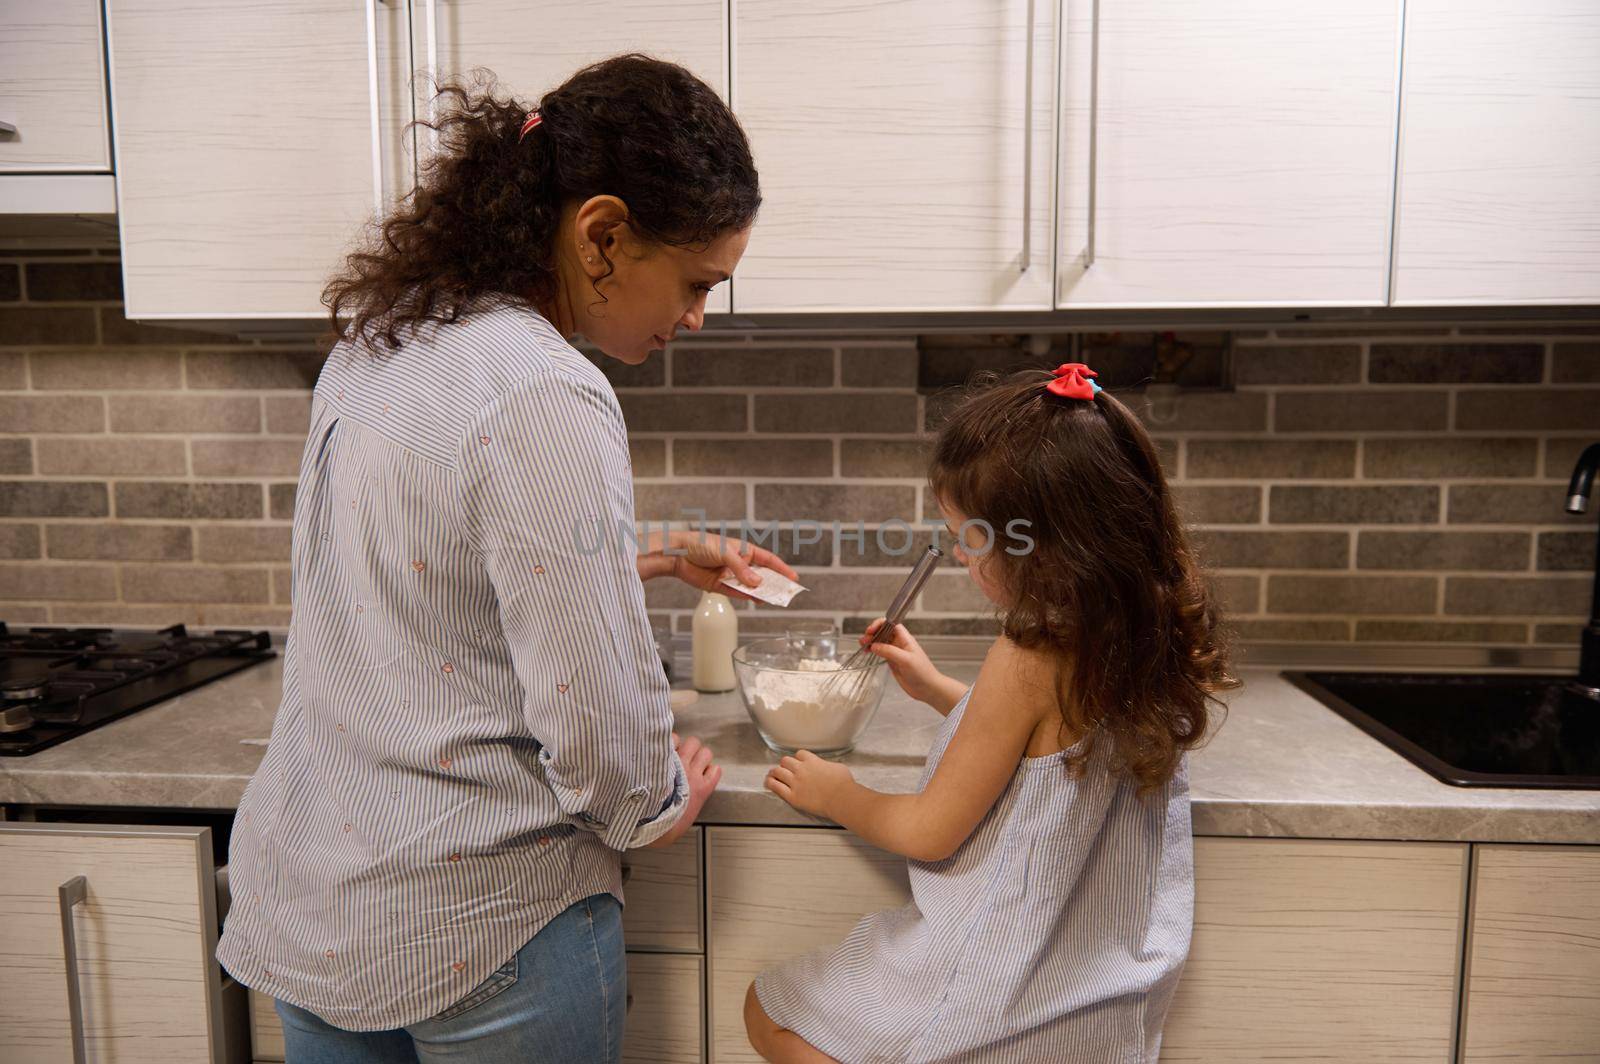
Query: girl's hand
x=910 y=665
x=809 y=783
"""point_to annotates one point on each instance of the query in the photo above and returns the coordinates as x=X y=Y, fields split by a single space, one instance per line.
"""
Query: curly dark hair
x=484 y=217
x=1111 y=584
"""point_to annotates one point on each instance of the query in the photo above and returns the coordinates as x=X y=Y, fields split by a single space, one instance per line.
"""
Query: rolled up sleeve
x=548 y=498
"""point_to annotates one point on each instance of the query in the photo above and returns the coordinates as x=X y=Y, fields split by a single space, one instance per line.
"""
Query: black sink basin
x=1473 y=731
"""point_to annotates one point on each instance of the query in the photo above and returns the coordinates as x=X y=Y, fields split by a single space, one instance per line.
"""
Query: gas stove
x=57 y=683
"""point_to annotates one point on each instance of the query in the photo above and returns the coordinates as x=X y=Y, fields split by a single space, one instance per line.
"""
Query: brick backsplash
x=1394 y=484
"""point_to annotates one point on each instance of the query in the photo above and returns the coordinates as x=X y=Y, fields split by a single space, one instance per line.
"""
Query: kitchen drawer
x=774 y=893
x=666 y=1010
x=140 y=903
x=663 y=913
x=665 y=1014
x=1311 y=949
x=53 y=87
x=1533 y=955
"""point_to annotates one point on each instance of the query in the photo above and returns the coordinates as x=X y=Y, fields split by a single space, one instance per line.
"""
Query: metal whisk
x=845 y=686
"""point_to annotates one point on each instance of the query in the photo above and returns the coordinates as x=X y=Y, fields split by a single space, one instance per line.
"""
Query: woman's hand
x=704 y=775
x=912 y=669
x=701 y=559
x=811 y=784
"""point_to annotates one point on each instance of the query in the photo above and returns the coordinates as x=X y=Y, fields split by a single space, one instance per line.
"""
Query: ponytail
x=487 y=208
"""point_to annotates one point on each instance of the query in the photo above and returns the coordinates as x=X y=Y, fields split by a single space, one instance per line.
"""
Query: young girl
x=1049 y=843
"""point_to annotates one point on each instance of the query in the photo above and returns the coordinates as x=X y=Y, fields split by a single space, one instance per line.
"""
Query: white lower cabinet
x=773 y=893
x=1533 y=955
x=663 y=889
x=1306 y=949
x=109 y=942
x=666 y=1009
x=1303 y=950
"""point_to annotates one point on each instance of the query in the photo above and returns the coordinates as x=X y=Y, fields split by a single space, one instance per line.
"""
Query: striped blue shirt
x=474 y=719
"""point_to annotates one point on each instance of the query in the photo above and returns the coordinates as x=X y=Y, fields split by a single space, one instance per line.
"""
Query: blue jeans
x=561 y=999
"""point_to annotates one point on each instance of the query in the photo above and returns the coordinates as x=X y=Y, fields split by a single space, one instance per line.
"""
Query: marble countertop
x=1281 y=765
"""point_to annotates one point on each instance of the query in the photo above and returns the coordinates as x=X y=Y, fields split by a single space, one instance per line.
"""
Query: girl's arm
x=1007 y=705
x=946 y=694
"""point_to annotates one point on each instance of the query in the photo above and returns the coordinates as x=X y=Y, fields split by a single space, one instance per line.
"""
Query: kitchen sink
x=1495 y=730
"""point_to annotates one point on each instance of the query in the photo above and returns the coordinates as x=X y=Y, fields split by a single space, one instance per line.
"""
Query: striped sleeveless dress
x=1056 y=932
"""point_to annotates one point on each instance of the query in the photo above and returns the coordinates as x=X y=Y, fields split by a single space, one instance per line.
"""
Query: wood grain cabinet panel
x=664 y=897
x=1320 y=950
x=53 y=87
x=1499 y=154
x=1533 y=955
x=1228 y=153
x=905 y=154
x=248 y=155
x=773 y=893
x=144 y=935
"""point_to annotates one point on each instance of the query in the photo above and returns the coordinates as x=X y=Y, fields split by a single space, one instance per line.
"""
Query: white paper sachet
x=774 y=589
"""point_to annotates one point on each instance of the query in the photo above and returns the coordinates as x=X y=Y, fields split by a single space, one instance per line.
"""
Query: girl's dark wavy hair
x=484 y=217
x=1111 y=585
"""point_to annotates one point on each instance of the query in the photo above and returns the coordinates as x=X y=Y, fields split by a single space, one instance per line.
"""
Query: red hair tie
x=534 y=118
x=1074 y=380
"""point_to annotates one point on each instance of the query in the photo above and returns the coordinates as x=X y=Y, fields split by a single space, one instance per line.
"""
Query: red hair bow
x=534 y=118
x=1074 y=380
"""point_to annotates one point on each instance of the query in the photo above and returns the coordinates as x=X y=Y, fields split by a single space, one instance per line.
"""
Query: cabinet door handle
x=68 y=895
x=1094 y=125
x=7 y=129
x=433 y=76
x=1027 y=144
x=372 y=102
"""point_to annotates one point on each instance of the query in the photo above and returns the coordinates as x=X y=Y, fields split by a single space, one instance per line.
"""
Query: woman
x=474 y=721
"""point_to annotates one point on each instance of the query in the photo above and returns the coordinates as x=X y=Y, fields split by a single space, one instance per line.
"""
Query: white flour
x=793 y=713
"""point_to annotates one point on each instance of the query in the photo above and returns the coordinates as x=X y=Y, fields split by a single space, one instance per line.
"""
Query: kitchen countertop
x=1282 y=765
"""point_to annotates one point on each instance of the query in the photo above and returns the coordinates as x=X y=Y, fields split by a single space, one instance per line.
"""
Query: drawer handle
x=69 y=895
x=375 y=117
x=7 y=129
x=433 y=77
x=1027 y=144
x=627 y=871
x=1094 y=127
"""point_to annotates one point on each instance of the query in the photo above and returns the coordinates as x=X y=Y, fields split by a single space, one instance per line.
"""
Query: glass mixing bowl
x=801 y=702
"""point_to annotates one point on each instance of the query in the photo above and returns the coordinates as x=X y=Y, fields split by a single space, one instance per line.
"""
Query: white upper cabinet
x=904 y=151
x=533 y=47
x=1232 y=153
x=1499 y=199
x=253 y=143
x=52 y=87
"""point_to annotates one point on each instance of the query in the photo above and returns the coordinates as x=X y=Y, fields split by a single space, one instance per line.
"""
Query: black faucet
x=1577 y=502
